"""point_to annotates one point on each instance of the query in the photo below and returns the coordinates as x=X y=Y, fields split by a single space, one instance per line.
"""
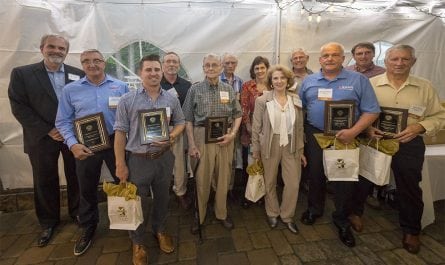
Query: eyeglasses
x=213 y=65
x=229 y=63
x=95 y=61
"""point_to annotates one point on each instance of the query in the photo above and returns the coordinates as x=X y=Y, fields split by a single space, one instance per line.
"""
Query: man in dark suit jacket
x=33 y=94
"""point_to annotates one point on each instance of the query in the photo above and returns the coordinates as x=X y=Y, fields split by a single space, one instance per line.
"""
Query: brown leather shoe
x=139 y=255
x=411 y=243
x=165 y=242
x=184 y=201
x=356 y=222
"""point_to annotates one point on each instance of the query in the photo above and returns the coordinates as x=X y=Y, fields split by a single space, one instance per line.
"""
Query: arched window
x=124 y=64
x=380 y=49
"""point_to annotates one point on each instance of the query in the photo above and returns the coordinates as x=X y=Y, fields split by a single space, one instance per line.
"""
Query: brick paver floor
x=251 y=242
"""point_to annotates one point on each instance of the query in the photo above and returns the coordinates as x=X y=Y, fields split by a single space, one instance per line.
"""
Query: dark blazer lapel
x=42 y=76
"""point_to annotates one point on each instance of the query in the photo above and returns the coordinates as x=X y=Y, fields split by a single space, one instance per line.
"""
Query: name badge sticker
x=113 y=101
x=416 y=111
x=325 y=93
x=73 y=77
x=224 y=97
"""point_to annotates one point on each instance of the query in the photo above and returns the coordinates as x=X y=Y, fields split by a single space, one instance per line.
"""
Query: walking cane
x=197 y=214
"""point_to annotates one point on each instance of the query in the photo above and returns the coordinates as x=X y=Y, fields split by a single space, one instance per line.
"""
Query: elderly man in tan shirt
x=398 y=89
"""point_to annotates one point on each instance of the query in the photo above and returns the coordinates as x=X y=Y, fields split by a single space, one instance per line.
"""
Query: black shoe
x=227 y=223
x=273 y=221
x=292 y=227
x=84 y=241
x=308 y=218
x=45 y=236
x=346 y=236
x=245 y=203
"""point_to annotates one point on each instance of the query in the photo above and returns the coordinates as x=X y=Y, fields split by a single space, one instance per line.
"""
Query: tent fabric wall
x=191 y=32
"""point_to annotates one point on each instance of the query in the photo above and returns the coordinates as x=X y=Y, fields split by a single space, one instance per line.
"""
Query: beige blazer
x=262 y=128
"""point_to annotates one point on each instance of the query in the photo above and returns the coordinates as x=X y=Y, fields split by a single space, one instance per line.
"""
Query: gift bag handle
x=335 y=138
x=376 y=145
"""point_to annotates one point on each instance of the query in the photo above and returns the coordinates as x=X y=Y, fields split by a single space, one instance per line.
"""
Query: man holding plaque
x=34 y=92
x=210 y=107
x=398 y=89
x=85 y=119
x=334 y=83
x=178 y=87
x=150 y=162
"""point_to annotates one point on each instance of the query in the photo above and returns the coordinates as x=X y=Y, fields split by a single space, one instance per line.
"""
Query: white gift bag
x=124 y=215
x=374 y=165
x=341 y=165
x=255 y=188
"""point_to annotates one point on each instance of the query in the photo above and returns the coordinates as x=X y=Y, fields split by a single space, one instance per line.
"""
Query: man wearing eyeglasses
x=211 y=98
x=96 y=93
x=34 y=92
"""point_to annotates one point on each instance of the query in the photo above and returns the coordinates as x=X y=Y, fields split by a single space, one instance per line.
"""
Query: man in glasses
x=96 y=93
x=210 y=100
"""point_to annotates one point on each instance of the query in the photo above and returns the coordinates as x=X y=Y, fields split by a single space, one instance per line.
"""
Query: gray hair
x=227 y=54
x=48 y=36
x=211 y=55
x=92 y=51
x=298 y=50
x=405 y=47
x=342 y=48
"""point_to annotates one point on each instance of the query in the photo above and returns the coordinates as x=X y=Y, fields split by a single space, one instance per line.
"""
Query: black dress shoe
x=45 y=236
x=308 y=218
x=292 y=227
x=227 y=223
x=84 y=241
x=273 y=221
x=245 y=203
x=346 y=236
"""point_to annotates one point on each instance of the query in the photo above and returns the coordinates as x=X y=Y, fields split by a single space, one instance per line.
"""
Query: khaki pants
x=291 y=171
x=215 y=166
x=180 y=178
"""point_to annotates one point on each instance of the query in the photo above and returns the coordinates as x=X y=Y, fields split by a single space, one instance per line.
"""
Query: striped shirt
x=127 y=116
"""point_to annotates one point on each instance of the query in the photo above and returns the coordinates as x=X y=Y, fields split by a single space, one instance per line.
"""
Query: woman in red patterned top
x=250 y=91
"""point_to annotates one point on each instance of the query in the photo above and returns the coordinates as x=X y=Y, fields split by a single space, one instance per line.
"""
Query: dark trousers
x=88 y=172
x=407 y=166
x=44 y=161
x=157 y=174
x=349 y=196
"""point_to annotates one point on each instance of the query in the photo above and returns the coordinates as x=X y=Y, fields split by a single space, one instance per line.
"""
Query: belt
x=229 y=125
x=151 y=155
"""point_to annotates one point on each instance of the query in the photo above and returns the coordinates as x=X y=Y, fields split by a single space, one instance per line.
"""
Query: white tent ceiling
x=194 y=28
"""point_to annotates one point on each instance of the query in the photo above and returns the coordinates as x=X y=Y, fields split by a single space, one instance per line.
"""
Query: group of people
x=274 y=117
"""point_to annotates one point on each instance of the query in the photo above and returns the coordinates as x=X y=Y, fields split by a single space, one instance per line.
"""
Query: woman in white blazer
x=277 y=137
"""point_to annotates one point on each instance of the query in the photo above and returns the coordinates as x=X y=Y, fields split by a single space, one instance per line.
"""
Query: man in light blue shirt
x=148 y=164
x=335 y=83
x=95 y=93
